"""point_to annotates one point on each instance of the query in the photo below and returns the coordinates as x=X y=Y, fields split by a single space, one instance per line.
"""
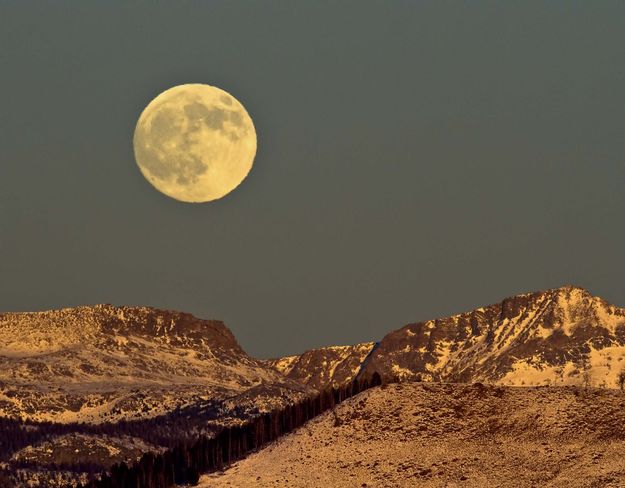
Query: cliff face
x=30 y=334
x=107 y=363
x=535 y=338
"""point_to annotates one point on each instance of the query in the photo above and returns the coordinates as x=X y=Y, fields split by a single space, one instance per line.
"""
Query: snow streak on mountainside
x=560 y=336
x=107 y=363
x=326 y=366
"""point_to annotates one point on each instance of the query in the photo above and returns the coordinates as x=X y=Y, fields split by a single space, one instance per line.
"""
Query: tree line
x=184 y=463
x=166 y=430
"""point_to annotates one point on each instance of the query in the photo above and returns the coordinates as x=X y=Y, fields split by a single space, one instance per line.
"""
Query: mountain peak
x=52 y=330
x=565 y=291
x=531 y=338
x=99 y=362
x=571 y=287
x=572 y=291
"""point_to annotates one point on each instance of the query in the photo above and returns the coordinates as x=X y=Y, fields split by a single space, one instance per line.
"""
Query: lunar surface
x=195 y=143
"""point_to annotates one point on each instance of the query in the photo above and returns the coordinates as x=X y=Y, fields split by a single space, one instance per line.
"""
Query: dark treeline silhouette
x=184 y=463
x=164 y=430
x=79 y=467
x=173 y=431
x=6 y=477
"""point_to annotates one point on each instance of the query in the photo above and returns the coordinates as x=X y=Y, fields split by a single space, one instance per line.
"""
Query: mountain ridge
x=324 y=366
x=550 y=336
x=105 y=363
x=72 y=325
x=561 y=328
x=160 y=369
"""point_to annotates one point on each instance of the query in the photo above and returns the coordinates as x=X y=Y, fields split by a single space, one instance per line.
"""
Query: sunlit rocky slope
x=449 y=435
x=560 y=336
x=142 y=378
x=550 y=337
x=326 y=366
x=105 y=363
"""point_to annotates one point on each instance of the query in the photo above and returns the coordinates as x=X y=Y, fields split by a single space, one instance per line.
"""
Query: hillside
x=111 y=379
x=563 y=336
x=141 y=379
x=435 y=435
x=549 y=337
x=105 y=363
x=325 y=366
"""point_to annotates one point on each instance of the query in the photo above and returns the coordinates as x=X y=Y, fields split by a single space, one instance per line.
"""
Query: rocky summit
x=104 y=363
x=559 y=336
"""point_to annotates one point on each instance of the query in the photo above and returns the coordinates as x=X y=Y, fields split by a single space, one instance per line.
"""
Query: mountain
x=120 y=380
x=326 y=366
x=106 y=363
x=558 y=336
x=454 y=435
x=117 y=382
x=549 y=337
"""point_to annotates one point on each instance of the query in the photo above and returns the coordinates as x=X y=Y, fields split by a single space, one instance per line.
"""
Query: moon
x=195 y=143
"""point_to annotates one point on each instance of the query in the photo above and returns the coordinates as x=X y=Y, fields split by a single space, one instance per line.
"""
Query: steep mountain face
x=105 y=363
x=559 y=336
x=327 y=366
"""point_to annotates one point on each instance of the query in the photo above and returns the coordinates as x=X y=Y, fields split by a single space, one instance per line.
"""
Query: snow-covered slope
x=326 y=366
x=549 y=337
x=559 y=336
x=449 y=435
x=107 y=363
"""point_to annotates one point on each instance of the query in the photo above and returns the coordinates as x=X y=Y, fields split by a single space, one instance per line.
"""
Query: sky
x=415 y=159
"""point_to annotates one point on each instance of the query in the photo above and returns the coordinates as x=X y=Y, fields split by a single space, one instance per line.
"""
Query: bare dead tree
x=586 y=377
x=337 y=419
x=621 y=379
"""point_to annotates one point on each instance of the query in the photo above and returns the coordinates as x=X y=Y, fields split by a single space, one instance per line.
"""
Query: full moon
x=195 y=143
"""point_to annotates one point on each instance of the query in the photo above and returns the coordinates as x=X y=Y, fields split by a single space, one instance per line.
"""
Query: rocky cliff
x=326 y=366
x=559 y=336
x=107 y=363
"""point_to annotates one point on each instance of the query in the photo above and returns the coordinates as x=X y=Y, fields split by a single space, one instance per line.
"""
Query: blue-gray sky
x=415 y=159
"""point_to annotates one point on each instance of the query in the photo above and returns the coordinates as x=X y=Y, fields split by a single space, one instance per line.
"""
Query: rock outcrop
x=558 y=336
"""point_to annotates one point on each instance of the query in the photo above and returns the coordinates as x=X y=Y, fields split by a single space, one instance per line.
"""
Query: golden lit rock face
x=106 y=363
x=195 y=143
x=542 y=338
x=324 y=367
